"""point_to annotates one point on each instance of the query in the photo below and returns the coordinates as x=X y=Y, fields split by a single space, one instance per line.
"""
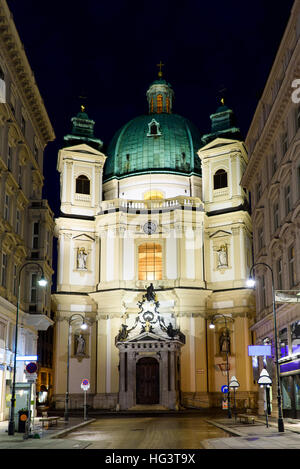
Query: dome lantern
x=160 y=95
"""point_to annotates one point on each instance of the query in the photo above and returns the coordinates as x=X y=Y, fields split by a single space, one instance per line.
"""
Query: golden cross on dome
x=160 y=65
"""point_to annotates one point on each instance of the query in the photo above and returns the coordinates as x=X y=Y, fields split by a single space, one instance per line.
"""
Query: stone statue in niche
x=222 y=256
x=81 y=259
x=79 y=345
x=224 y=341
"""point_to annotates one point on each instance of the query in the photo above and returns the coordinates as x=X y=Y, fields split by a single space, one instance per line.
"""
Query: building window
x=35 y=235
x=82 y=184
x=168 y=105
x=18 y=222
x=283 y=342
x=4 y=270
x=260 y=237
x=150 y=261
x=9 y=157
x=33 y=288
x=279 y=274
x=151 y=105
x=23 y=124
x=292 y=269
x=20 y=173
x=274 y=163
x=159 y=101
x=6 y=207
x=276 y=216
x=153 y=195
x=295 y=336
x=298 y=118
x=15 y=286
x=258 y=192
x=220 y=179
x=287 y=198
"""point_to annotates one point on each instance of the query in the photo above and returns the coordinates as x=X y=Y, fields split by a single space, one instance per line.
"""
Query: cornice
x=18 y=65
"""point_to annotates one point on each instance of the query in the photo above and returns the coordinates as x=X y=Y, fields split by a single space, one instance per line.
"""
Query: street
x=164 y=432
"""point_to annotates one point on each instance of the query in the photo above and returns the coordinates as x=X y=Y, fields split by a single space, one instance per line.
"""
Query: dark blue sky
x=109 y=51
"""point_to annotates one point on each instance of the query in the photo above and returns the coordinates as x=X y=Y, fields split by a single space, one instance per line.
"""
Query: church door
x=147 y=381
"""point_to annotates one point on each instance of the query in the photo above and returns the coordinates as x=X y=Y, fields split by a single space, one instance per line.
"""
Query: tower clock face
x=149 y=227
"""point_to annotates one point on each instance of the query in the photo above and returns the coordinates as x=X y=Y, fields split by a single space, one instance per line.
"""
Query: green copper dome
x=159 y=142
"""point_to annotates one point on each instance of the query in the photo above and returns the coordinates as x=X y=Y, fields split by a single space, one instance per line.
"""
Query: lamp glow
x=42 y=282
x=251 y=283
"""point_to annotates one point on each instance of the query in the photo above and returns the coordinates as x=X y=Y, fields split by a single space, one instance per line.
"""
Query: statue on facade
x=123 y=332
x=81 y=259
x=80 y=345
x=222 y=256
x=224 y=342
x=150 y=295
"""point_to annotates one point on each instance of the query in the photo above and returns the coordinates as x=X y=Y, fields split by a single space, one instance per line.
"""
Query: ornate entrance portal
x=149 y=352
x=147 y=381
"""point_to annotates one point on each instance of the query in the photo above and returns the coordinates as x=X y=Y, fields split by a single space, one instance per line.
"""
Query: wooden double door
x=147 y=381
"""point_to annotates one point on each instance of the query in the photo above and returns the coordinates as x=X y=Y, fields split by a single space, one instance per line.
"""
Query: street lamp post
x=212 y=326
x=251 y=283
x=83 y=326
x=42 y=282
x=234 y=384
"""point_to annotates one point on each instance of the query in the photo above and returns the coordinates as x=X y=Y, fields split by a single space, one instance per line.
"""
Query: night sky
x=108 y=51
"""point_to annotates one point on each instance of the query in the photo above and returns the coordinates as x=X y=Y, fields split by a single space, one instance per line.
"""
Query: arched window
x=153 y=129
x=150 y=261
x=159 y=107
x=220 y=179
x=82 y=184
x=151 y=105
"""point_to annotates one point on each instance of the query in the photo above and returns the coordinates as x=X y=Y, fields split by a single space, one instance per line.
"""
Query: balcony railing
x=157 y=204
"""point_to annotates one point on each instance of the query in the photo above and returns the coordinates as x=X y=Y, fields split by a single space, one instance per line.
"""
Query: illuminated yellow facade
x=192 y=243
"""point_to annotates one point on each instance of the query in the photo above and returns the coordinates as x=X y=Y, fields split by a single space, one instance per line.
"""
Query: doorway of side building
x=147 y=381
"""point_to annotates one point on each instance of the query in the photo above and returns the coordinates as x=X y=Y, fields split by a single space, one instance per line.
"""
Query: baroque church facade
x=154 y=244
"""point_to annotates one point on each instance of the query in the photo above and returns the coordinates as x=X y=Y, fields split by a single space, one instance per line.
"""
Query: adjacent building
x=273 y=178
x=26 y=220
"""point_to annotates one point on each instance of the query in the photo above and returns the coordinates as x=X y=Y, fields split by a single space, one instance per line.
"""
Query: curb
x=226 y=429
x=71 y=429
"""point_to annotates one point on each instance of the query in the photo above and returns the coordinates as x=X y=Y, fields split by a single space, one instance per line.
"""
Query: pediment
x=220 y=234
x=83 y=237
x=218 y=142
x=146 y=336
x=84 y=148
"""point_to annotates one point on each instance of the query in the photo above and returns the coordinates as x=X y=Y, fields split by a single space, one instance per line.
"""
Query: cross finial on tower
x=160 y=65
x=222 y=94
x=82 y=106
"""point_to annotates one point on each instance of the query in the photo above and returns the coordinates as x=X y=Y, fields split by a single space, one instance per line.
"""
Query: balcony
x=157 y=204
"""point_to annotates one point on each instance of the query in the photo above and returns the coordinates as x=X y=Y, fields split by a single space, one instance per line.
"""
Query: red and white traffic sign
x=85 y=384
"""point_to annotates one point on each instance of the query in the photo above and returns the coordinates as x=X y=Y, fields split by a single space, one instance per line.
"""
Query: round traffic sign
x=85 y=382
x=31 y=367
x=224 y=389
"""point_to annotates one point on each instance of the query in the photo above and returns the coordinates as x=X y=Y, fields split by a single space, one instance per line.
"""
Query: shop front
x=290 y=385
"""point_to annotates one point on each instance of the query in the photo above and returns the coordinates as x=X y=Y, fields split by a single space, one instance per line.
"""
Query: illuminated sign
x=259 y=350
